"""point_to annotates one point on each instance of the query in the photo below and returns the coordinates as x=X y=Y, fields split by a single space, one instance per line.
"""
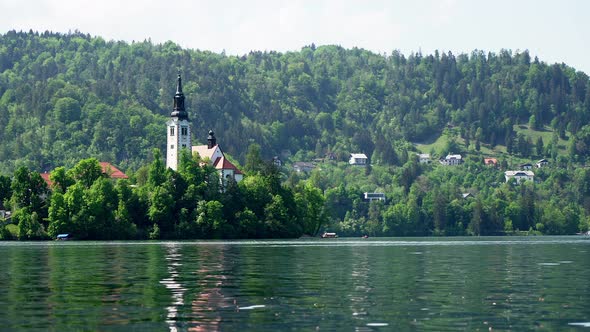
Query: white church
x=179 y=137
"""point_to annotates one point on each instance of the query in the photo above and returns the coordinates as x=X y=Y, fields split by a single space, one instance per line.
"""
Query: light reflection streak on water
x=359 y=297
x=173 y=257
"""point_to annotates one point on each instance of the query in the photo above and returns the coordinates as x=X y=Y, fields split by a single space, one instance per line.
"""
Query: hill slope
x=68 y=97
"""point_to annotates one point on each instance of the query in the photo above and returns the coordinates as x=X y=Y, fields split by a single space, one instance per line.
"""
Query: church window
x=172 y=147
x=171 y=131
x=184 y=131
x=184 y=145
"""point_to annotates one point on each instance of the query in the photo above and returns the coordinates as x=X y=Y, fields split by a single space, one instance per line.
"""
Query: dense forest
x=68 y=97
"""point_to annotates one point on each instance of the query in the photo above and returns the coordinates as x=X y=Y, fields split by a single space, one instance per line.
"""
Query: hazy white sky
x=554 y=30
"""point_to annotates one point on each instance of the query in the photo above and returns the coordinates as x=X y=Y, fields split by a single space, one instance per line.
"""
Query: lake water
x=376 y=284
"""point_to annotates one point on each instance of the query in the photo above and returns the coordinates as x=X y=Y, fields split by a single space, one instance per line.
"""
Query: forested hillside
x=65 y=97
x=68 y=97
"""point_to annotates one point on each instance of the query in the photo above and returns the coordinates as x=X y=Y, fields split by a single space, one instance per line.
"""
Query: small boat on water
x=63 y=237
x=328 y=235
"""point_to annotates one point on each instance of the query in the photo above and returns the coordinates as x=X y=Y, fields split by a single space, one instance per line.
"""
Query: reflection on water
x=173 y=260
x=335 y=284
x=209 y=300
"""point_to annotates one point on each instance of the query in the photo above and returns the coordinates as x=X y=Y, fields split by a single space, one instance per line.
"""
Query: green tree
x=59 y=220
x=533 y=123
x=28 y=192
x=161 y=209
x=157 y=170
x=477 y=218
x=61 y=179
x=310 y=204
x=254 y=162
x=540 y=147
x=5 y=191
x=278 y=221
x=29 y=227
x=102 y=202
x=210 y=219
x=86 y=172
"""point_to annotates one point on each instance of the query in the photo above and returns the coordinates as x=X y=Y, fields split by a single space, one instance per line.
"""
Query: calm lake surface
x=376 y=284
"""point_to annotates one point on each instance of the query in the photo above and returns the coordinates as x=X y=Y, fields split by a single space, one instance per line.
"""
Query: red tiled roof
x=490 y=161
x=222 y=163
x=112 y=171
x=45 y=177
x=107 y=168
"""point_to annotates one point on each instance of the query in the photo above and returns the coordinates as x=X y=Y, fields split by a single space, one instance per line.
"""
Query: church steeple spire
x=179 y=111
x=179 y=129
x=211 y=140
x=179 y=85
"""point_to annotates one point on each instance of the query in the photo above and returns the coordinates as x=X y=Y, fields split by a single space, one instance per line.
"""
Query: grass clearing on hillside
x=440 y=143
x=546 y=133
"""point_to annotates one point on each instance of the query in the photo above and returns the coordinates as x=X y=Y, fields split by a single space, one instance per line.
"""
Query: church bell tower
x=178 y=129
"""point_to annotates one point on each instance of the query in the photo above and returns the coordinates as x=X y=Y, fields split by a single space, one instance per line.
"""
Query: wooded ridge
x=68 y=97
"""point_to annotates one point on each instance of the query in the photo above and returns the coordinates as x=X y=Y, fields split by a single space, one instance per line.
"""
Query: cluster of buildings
x=524 y=173
x=179 y=138
x=355 y=159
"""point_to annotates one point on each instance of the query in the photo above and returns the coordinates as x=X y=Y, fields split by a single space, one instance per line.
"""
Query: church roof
x=204 y=151
x=223 y=163
x=178 y=110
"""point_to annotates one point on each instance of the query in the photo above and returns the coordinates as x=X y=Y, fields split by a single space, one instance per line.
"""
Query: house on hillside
x=542 y=163
x=359 y=159
x=5 y=215
x=452 y=160
x=107 y=169
x=303 y=167
x=374 y=197
x=492 y=162
x=526 y=167
x=424 y=158
x=277 y=162
x=519 y=176
x=45 y=177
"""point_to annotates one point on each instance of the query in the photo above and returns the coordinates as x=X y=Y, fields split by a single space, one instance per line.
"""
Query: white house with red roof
x=215 y=155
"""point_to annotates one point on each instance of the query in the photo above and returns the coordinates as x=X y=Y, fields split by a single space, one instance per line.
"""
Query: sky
x=553 y=30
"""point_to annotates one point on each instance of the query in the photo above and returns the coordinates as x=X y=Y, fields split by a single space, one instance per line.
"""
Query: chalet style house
x=492 y=162
x=519 y=176
x=452 y=160
x=359 y=159
x=542 y=163
x=424 y=158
